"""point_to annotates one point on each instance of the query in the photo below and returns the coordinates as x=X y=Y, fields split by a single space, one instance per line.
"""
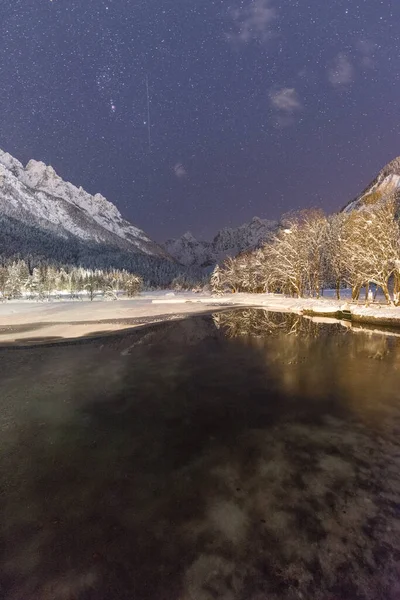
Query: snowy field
x=27 y=322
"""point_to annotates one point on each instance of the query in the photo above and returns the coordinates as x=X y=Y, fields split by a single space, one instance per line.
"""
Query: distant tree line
x=44 y=281
x=312 y=251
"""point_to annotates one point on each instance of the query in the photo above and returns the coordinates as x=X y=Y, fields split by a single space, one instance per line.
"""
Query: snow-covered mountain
x=228 y=242
x=190 y=252
x=385 y=184
x=38 y=199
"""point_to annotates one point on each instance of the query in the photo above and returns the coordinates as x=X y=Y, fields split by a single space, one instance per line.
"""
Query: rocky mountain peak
x=385 y=184
x=37 y=174
x=392 y=168
x=227 y=242
x=38 y=197
x=10 y=163
x=189 y=237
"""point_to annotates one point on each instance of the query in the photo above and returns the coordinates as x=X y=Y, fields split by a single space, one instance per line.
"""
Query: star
x=203 y=78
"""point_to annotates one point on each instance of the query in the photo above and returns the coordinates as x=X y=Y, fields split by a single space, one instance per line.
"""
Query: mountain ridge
x=43 y=215
x=386 y=182
x=228 y=241
x=44 y=219
x=35 y=194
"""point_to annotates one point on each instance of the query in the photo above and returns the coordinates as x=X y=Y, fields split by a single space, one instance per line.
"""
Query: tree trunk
x=317 y=288
x=385 y=290
x=338 y=289
x=355 y=292
x=396 y=289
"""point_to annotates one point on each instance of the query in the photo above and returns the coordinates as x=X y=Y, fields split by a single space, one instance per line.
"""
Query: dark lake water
x=241 y=456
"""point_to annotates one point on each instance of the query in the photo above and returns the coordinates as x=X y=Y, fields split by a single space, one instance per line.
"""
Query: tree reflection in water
x=259 y=323
x=317 y=359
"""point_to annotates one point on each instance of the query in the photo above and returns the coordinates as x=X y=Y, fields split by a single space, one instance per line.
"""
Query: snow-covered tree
x=92 y=281
x=296 y=253
x=371 y=245
x=133 y=284
x=17 y=277
x=3 y=281
x=215 y=281
x=335 y=251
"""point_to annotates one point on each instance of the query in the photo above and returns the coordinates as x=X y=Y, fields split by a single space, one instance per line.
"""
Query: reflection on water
x=244 y=456
x=322 y=361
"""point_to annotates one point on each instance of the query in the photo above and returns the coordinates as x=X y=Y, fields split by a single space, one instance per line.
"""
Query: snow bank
x=329 y=306
x=23 y=320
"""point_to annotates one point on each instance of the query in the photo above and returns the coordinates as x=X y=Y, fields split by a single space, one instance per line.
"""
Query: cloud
x=342 y=71
x=180 y=171
x=286 y=103
x=367 y=52
x=252 y=22
x=286 y=100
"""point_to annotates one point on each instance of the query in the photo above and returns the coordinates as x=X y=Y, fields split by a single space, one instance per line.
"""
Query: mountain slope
x=228 y=242
x=36 y=197
x=385 y=184
x=188 y=251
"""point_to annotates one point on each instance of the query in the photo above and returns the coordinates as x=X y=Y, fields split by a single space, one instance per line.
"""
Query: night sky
x=256 y=106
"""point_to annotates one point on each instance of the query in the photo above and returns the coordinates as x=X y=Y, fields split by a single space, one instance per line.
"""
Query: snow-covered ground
x=23 y=321
x=375 y=312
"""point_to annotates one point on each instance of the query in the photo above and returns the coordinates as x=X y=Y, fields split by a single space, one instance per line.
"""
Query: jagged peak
x=104 y=203
x=9 y=162
x=39 y=175
x=189 y=237
x=37 y=172
x=42 y=177
x=39 y=195
x=227 y=242
x=38 y=165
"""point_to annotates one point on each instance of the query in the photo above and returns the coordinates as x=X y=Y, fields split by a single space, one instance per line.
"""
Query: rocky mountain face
x=44 y=217
x=385 y=184
x=190 y=252
x=36 y=195
x=228 y=242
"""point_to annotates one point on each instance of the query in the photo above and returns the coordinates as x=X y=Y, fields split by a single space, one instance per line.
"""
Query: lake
x=244 y=455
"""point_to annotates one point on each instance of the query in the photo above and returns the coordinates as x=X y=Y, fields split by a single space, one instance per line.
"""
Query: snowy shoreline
x=31 y=322
x=380 y=314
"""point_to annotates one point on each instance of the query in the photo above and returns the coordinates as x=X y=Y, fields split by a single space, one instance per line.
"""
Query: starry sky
x=199 y=114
